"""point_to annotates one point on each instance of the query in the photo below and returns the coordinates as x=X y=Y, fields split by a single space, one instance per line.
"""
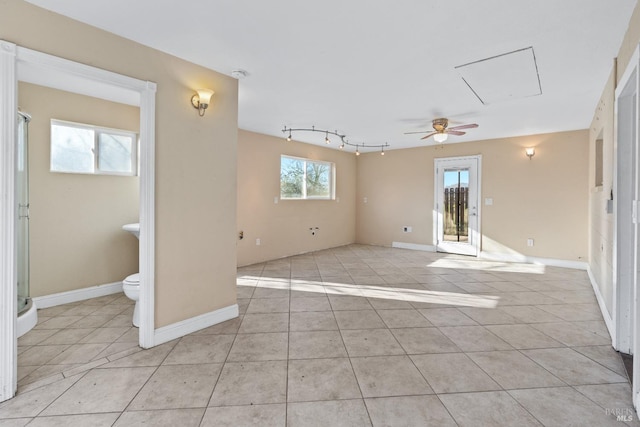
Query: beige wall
x=600 y=222
x=283 y=227
x=544 y=198
x=601 y=236
x=195 y=156
x=75 y=219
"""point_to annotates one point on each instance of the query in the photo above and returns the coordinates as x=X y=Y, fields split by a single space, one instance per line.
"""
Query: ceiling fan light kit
x=440 y=137
x=441 y=130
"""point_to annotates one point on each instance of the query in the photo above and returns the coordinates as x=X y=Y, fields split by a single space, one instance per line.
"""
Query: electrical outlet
x=529 y=242
x=241 y=235
x=258 y=241
x=407 y=229
x=365 y=200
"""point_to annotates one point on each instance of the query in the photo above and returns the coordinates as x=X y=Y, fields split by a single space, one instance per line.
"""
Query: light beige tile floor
x=356 y=335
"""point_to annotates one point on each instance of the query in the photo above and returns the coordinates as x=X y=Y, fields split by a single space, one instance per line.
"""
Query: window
x=80 y=148
x=306 y=179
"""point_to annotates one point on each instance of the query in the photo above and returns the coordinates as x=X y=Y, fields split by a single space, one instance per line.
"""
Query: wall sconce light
x=530 y=152
x=201 y=100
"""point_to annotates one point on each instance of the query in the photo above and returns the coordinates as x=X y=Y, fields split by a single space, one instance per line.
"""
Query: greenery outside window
x=306 y=179
x=87 y=149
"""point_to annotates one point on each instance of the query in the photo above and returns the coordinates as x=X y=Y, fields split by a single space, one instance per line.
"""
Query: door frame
x=21 y=64
x=626 y=187
x=474 y=233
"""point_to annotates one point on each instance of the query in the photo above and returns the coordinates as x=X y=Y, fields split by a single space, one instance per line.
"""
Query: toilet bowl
x=131 y=284
x=131 y=288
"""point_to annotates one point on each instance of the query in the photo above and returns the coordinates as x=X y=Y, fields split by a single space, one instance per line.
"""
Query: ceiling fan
x=441 y=130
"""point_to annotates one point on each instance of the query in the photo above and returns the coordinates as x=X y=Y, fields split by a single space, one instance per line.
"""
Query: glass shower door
x=22 y=198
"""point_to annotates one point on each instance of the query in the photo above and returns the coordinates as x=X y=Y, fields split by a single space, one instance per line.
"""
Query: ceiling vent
x=509 y=76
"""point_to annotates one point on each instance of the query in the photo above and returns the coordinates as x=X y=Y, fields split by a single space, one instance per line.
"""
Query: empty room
x=324 y=214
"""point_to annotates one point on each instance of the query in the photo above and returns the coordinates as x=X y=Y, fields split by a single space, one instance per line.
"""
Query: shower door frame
x=21 y=64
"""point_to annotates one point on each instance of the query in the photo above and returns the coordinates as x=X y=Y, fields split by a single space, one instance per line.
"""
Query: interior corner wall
x=283 y=225
x=76 y=236
x=195 y=169
x=544 y=198
x=601 y=238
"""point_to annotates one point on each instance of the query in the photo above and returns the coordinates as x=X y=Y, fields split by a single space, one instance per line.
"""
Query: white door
x=626 y=196
x=457 y=219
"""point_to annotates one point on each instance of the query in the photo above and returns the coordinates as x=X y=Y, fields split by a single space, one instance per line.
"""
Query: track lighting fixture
x=343 y=138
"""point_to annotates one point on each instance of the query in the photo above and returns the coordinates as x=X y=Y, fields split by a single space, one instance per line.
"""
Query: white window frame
x=97 y=131
x=332 y=179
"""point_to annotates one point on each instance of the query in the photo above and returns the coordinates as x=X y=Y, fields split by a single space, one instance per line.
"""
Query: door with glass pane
x=457 y=219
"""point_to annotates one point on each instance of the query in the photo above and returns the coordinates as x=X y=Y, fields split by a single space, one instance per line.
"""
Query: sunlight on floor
x=372 y=291
x=455 y=262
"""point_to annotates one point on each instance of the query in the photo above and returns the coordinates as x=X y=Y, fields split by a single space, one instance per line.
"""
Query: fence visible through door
x=456 y=211
x=456 y=221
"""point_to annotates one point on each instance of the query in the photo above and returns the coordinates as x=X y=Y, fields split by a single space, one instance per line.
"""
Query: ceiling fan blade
x=421 y=131
x=431 y=134
x=455 y=132
x=469 y=126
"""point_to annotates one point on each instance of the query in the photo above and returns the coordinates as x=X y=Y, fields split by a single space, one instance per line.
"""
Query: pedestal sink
x=133 y=229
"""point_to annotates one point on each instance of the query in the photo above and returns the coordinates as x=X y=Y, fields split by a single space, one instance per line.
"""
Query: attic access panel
x=509 y=76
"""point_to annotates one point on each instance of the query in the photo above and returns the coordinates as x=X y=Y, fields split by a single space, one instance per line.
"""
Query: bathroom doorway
x=24 y=65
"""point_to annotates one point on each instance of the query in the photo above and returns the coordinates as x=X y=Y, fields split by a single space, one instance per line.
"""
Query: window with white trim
x=87 y=149
x=306 y=179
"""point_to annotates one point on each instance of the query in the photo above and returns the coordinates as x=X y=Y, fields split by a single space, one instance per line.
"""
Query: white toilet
x=131 y=288
x=131 y=284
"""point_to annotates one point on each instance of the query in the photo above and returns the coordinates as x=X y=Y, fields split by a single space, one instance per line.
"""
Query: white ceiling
x=375 y=69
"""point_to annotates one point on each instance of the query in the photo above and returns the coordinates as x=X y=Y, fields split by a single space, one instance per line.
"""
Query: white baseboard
x=551 y=262
x=608 y=320
x=184 y=327
x=78 y=295
x=413 y=246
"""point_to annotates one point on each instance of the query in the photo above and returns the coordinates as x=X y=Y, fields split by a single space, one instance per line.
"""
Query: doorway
x=626 y=196
x=22 y=64
x=457 y=211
